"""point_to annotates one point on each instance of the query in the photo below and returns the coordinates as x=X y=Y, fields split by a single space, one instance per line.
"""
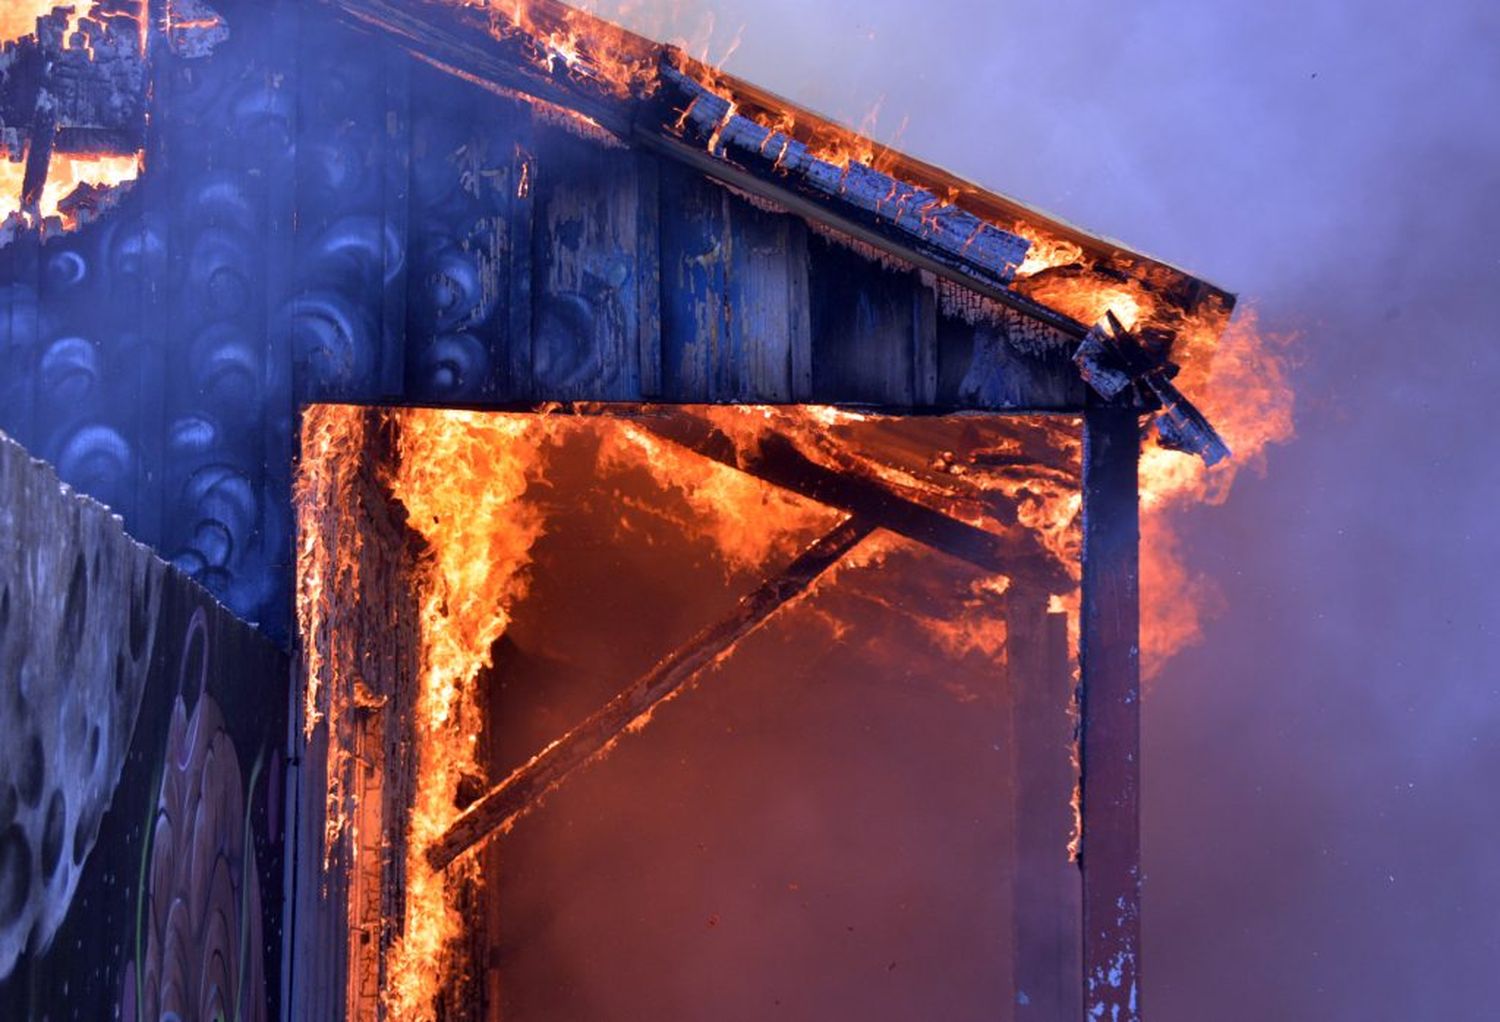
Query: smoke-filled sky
x=1322 y=822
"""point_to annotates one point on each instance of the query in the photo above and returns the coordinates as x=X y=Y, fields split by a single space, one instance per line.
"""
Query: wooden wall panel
x=863 y=327
x=694 y=272
x=992 y=357
x=734 y=276
x=468 y=258
x=586 y=266
x=769 y=317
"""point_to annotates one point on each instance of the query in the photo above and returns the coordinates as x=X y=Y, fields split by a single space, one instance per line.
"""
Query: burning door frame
x=378 y=685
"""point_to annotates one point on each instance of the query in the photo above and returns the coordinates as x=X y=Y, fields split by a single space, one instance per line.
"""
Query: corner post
x=1109 y=715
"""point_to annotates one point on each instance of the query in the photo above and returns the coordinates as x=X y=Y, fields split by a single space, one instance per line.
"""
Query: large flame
x=1241 y=382
x=461 y=477
x=746 y=520
x=18 y=17
x=464 y=479
x=472 y=485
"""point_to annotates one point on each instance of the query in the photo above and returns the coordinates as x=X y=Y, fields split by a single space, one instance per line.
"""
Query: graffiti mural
x=141 y=814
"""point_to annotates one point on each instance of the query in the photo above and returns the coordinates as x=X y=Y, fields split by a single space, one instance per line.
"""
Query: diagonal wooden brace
x=502 y=804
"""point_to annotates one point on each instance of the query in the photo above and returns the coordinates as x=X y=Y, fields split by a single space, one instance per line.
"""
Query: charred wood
x=942 y=230
x=1111 y=360
x=1110 y=716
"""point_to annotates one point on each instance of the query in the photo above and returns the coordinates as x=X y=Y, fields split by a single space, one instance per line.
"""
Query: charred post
x=1110 y=715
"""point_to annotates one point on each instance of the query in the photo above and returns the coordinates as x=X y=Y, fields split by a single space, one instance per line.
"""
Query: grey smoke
x=1321 y=822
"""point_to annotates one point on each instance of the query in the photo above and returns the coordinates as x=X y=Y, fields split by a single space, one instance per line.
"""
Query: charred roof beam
x=916 y=216
x=1113 y=362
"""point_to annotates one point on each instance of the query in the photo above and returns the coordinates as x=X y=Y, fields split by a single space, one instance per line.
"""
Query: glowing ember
x=67 y=173
x=18 y=17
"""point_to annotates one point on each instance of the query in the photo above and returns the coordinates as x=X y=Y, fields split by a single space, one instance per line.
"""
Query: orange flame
x=66 y=172
x=18 y=17
x=461 y=477
x=466 y=482
x=1241 y=382
x=735 y=511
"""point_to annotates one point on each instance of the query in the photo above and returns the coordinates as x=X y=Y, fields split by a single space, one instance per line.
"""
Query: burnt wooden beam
x=495 y=810
x=700 y=159
x=777 y=460
x=1111 y=361
x=39 y=156
x=889 y=206
x=1110 y=715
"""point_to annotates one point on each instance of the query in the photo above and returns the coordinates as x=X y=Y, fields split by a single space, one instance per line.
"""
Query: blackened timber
x=1111 y=359
x=825 y=213
x=946 y=232
x=925 y=341
x=1110 y=718
x=522 y=788
x=777 y=460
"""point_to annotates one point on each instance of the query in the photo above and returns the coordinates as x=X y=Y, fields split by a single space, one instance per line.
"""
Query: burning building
x=657 y=553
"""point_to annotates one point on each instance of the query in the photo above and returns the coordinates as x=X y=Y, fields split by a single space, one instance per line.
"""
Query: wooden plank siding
x=734 y=286
x=543 y=265
x=863 y=317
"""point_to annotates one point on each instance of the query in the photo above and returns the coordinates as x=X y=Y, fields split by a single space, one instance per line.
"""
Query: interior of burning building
x=700 y=545
x=870 y=765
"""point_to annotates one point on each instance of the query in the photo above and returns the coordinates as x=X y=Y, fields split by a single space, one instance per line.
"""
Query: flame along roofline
x=549 y=51
x=968 y=194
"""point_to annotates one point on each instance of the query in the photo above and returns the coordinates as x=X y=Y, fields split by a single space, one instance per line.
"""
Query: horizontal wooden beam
x=776 y=460
x=495 y=810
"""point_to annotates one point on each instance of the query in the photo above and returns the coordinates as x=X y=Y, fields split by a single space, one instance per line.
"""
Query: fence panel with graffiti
x=142 y=780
